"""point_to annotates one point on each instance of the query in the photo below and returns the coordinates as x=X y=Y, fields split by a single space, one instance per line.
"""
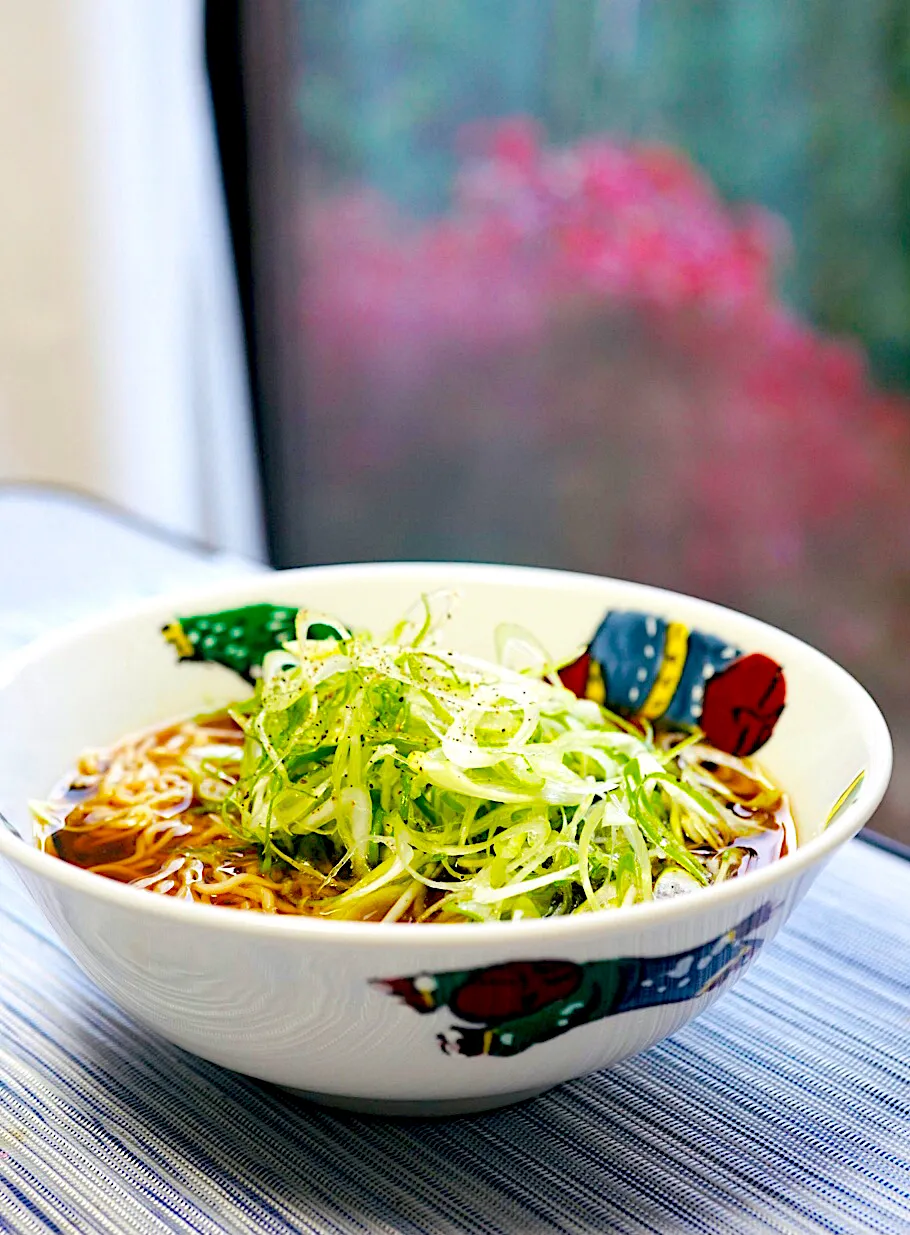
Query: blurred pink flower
x=781 y=431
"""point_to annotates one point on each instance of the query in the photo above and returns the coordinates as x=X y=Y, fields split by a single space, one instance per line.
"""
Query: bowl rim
x=421 y=936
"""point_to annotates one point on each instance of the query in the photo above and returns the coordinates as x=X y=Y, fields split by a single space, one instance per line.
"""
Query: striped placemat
x=785 y=1108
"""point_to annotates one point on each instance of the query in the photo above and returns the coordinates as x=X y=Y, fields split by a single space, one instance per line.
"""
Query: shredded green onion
x=472 y=789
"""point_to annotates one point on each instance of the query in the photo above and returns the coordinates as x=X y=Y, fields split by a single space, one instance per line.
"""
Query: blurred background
x=620 y=286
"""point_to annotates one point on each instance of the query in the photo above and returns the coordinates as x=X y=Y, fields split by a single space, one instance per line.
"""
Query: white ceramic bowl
x=296 y=1001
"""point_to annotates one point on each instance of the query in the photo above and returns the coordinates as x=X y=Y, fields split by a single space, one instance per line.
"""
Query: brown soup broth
x=148 y=812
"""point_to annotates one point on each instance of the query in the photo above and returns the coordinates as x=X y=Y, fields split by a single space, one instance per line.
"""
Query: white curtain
x=121 y=357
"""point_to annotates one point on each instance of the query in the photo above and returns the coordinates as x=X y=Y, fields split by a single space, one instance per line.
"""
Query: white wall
x=121 y=366
x=48 y=373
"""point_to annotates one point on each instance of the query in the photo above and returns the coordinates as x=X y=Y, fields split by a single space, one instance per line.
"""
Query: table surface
x=786 y=1107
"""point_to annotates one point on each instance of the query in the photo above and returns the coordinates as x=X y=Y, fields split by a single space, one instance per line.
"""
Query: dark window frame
x=248 y=54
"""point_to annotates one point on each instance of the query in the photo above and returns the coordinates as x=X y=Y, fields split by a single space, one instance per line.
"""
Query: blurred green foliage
x=386 y=85
x=802 y=105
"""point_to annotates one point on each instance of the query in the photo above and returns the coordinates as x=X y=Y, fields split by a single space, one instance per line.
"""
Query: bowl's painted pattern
x=240 y=639
x=638 y=664
x=641 y=664
x=508 y=1008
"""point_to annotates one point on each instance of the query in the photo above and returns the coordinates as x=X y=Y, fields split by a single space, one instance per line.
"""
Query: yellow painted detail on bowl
x=676 y=645
x=595 y=688
x=176 y=635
